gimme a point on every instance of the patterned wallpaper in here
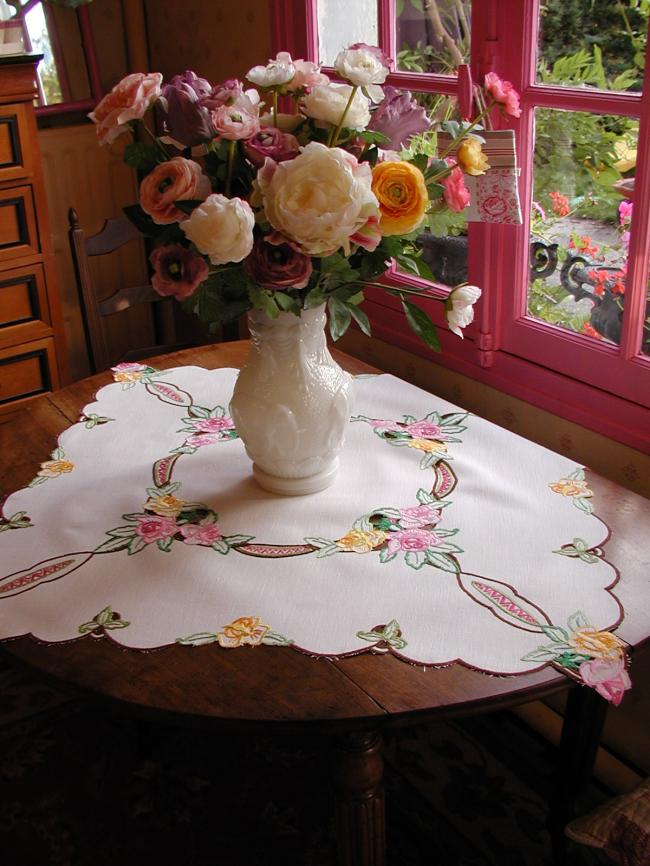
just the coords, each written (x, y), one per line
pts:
(218, 40)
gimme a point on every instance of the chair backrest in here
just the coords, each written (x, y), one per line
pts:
(113, 235)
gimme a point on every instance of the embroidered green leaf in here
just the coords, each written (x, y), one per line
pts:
(448, 547)
(199, 639)
(363, 523)
(454, 419)
(434, 417)
(115, 543)
(221, 546)
(415, 558)
(137, 544)
(556, 633)
(319, 542)
(409, 419)
(38, 480)
(571, 660)
(541, 654)
(442, 561)
(385, 556)
(234, 540)
(391, 630)
(428, 460)
(424, 497)
(328, 551)
(583, 504)
(58, 454)
(198, 412)
(578, 474)
(577, 620)
(445, 533)
(272, 638)
(165, 544)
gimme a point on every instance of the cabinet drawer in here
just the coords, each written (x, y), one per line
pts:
(26, 371)
(15, 150)
(24, 311)
(18, 232)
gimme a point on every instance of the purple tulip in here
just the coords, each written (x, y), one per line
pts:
(177, 271)
(186, 119)
(399, 117)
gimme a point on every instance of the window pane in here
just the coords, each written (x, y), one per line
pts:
(599, 44)
(342, 23)
(433, 36)
(580, 221)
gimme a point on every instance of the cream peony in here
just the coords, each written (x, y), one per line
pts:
(327, 102)
(459, 308)
(275, 73)
(319, 199)
(221, 228)
(363, 64)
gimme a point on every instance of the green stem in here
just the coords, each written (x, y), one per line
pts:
(275, 108)
(454, 144)
(231, 161)
(158, 144)
(333, 137)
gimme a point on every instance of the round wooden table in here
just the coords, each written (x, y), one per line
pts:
(350, 698)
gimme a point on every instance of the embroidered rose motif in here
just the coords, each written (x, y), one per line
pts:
(571, 487)
(424, 430)
(200, 533)
(214, 425)
(362, 541)
(412, 539)
(382, 424)
(127, 376)
(129, 367)
(601, 644)
(431, 447)
(155, 528)
(54, 468)
(166, 505)
(608, 677)
(418, 515)
(245, 630)
(199, 439)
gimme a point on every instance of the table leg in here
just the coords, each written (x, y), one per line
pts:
(360, 810)
(584, 718)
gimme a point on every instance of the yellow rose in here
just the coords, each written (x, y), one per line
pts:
(571, 487)
(245, 630)
(470, 157)
(428, 445)
(127, 376)
(362, 541)
(402, 196)
(53, 468)
(600, 644)
(166, 506)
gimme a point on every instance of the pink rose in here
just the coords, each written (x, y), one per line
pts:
(419, 515)
(238, 120)
(197, 440)
(178, 179)
(504, 93)
(214, 425)
(272, 142)
(412, 539)
(177, 271)
(128, 100)
(456, 193)
(155, 528)
(200, 533)
(424, 430)
(608, 677)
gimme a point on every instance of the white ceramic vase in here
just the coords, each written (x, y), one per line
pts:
(292, 403)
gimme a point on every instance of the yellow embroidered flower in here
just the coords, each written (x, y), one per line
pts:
(600, 644)
(362, 541)
(428, 445)
(54, 468)
(245, 630)
(571, 487)
(127, 376)
(166, 505)
(471, 158)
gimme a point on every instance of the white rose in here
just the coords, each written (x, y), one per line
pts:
(363, 65)
(459, 308)
(327, 102)
(319, 199)
(221, 228)
(275, 73)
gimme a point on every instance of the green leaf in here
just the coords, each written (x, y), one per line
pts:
(339, 317)
(360, 318)
(262, 300)
(421, 325)
(314, 297)
(287, 302)
(140, 156)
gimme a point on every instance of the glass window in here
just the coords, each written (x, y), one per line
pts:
(433, 36)
(342, 23)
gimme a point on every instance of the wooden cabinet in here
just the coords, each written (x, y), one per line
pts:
(32, 352)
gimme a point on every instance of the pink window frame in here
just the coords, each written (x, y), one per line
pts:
(598, 386)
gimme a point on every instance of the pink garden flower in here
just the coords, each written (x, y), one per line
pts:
(127, 101)
(418, 516)
(608, 677)
(272, 142)
(177, 271)
(214, 425)
(425, 430)
(201, 533)
(412, 539)
(456, 193)
(152, 527)
(504, 93)
(238, 120)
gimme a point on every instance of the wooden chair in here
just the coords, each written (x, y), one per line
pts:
(113, 235)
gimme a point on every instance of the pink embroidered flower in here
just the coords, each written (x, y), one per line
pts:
(504, 93)
(456, 193)
(129, 367)
(425, 430)
(155, 528)
(608, 677)
(214, 425)
(418, 516)
(381, 424)
(412, 539)
(200, 533)
(197, 440)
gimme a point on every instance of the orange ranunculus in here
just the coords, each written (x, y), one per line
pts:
(178, 179)
(471, 158)
(402, 196)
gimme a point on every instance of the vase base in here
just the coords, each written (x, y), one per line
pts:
(296, 486)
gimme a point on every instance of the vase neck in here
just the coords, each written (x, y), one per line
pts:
(288, 331)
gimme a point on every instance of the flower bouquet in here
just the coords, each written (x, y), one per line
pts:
(282, 213)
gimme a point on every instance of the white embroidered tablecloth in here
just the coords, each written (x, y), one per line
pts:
(444, 537)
